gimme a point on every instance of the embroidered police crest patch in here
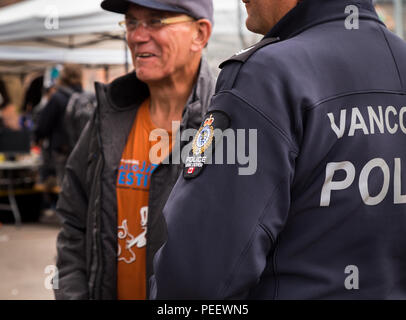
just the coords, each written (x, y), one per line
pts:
(204, 136)
(202, 149)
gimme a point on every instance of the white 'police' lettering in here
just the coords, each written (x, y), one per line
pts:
(379, 121)
(330, 185)
(363, 181)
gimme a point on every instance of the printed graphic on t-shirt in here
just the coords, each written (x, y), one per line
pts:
(127, 242)
(135, 174)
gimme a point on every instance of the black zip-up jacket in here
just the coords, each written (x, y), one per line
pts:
(87, 206)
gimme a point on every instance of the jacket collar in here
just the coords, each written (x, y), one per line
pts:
(126, 92)
(199, 99)
(309, 13)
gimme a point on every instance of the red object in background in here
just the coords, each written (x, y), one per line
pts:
(36, 150)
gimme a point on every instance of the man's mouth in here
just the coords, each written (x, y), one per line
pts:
(246, 1)
(144, 55)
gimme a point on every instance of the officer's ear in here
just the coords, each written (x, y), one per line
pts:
(202, 34)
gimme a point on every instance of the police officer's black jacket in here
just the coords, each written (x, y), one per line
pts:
(324, 214)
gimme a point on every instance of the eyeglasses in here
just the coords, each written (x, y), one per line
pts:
(153, 24)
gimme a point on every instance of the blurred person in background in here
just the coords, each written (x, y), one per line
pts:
(114, 191)
(8, 112)
(4, 101)
(47, 172)
(49, 86)
(32, 98)
(78, 113)
(47, 169)
(51, 119)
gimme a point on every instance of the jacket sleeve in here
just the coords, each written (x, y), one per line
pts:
(223, 223)
(72, 209)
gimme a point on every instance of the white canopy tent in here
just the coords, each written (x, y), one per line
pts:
(37, 34)
(34, 33)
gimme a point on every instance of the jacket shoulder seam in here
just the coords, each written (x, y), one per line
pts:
(266, 117)
(393, 57)
(351, 93)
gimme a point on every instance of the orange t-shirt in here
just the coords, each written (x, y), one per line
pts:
(133, 183)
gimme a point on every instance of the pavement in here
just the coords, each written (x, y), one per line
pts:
(27, 259)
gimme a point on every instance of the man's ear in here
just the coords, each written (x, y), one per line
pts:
(202, 35)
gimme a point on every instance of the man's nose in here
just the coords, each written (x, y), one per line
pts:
(139, 34)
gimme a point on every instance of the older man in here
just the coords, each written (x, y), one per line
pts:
(323, 216)
(116, 184)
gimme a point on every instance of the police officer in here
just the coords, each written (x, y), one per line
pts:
(323, 214)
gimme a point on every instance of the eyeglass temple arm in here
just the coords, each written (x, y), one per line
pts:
(177, 19)
(168, 20)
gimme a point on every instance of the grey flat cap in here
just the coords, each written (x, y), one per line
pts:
(198, 9)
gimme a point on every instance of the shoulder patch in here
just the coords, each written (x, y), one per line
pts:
(202, 145)
(245, 54)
